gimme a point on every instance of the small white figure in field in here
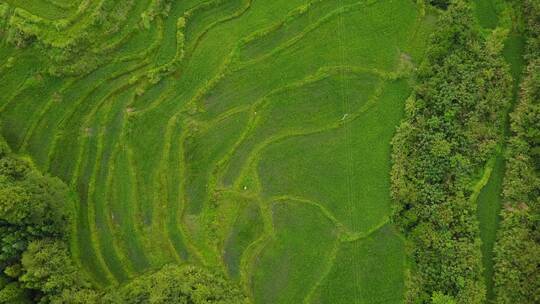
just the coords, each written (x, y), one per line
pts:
(345, 116)
(245, 187)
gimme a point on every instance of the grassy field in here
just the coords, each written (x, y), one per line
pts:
(250, 137)
(489, 206)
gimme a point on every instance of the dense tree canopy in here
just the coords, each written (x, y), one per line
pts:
(453, 125)
(178, 284)
(517, 261)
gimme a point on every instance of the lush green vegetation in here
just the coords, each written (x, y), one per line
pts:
(193, 132)
(239, 151)
(517, 250)
(454, 123)
(177, 284)
(489, 199)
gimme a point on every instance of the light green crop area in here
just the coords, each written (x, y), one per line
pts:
(251, 137)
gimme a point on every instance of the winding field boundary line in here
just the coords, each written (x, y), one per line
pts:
(255, 154)
(178, 220)
(220, 163)
(160, 195)
(73, 81)
(173, 203)
(253, 118)
(84, 141)
(248, 261)
(116, 234)
(350, 158)
(167, 132)
(61, 125)
(92, 112)
(40, 116)
(329, 266)
(121, 231)
(126, 27)
(252, 121)
(183, 109)
(312, 27)
(218, 76)
(134, 179)
(231, 58)
(62, 5)
(97, 254)
(149, 50)
(97, 243)
(87, 117)
(214, 230)
(67, 25)
(16, 5)
(130, 223)
(255, 248)
(262, 239)
(166, 151)
(187, 54)
(125, 31)
(224, 162)
(19, 89)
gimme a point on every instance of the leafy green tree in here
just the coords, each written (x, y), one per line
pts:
(441, 298)
(453, 124)
(517, 249)
(178, 284)
(32, 206)
(48, 267)
(13, 293)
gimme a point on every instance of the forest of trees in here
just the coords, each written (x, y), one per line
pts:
(453, 124)
(517, 251)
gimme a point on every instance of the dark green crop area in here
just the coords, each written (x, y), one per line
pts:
(251, 137)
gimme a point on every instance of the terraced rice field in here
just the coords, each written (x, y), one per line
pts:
(261, 150)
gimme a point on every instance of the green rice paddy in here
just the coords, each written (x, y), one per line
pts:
(262, 150)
